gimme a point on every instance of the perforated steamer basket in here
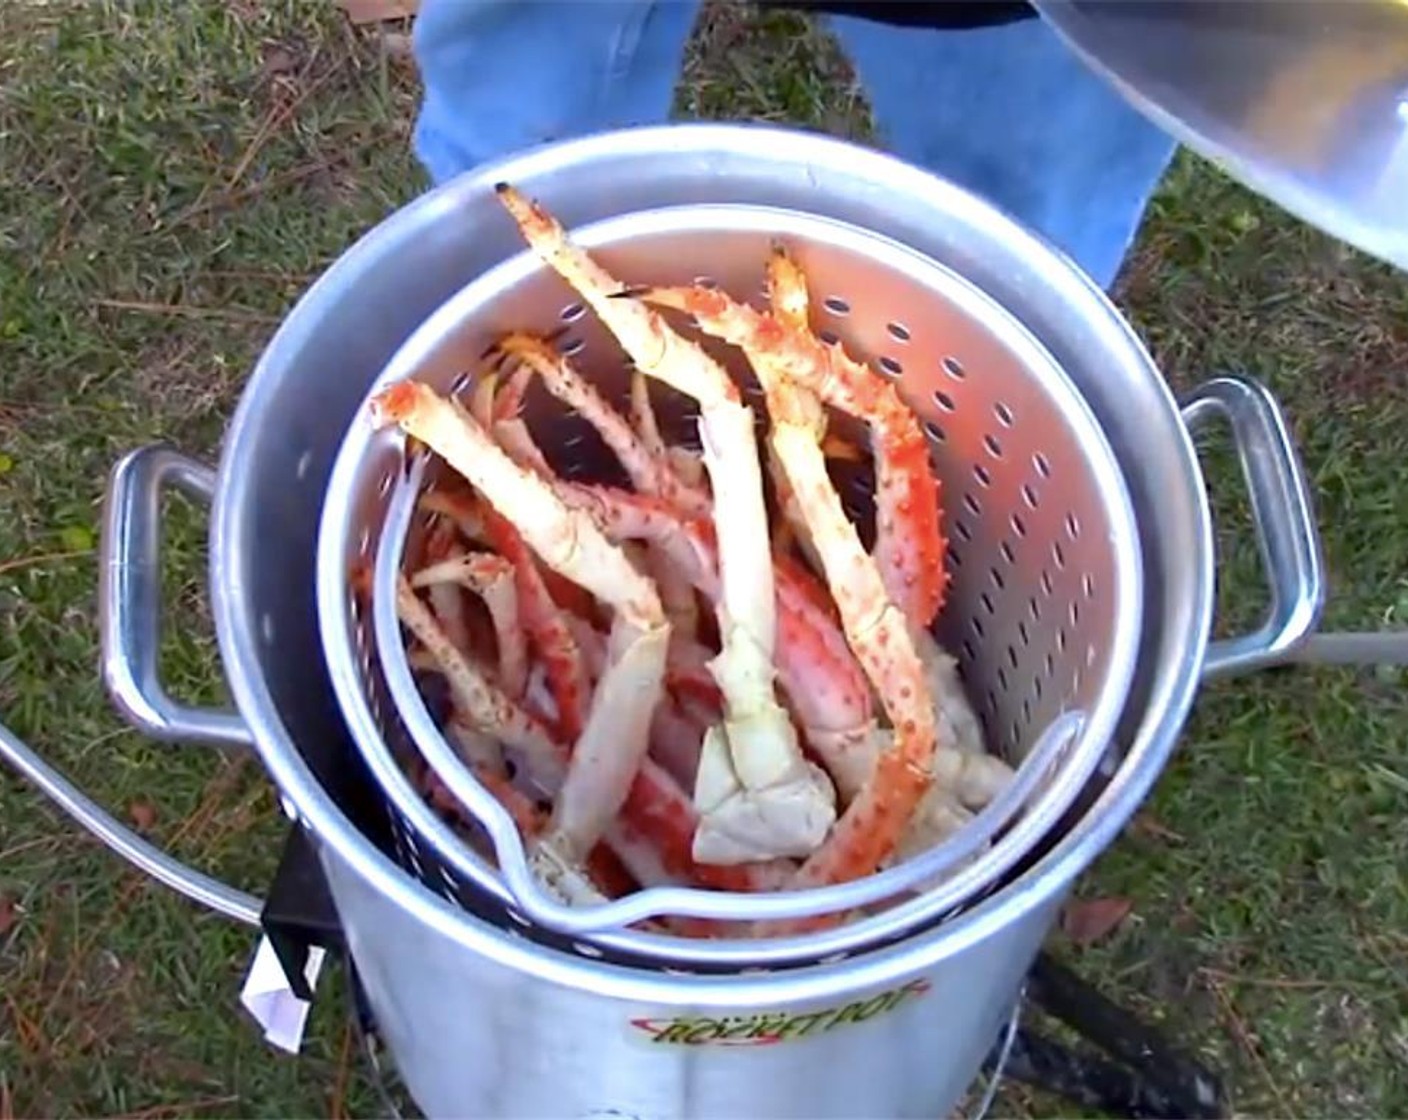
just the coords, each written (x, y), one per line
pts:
(1043, 613)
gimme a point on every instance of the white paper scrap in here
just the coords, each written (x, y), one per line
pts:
(267, 996)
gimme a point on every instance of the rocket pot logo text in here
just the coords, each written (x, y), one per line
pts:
(767, 1028)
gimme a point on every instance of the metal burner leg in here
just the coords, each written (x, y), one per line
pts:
(996, 1064)
(1382, 647)
(1138, 1075)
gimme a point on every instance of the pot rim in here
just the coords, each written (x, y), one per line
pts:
(1164, 710)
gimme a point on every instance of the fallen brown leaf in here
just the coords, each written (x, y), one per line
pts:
(143, 814)
(9, 914)
(1088, 920)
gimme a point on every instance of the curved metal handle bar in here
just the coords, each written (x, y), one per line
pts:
(83, 810)
(129, 599)
(129, 612)
(1285, 524)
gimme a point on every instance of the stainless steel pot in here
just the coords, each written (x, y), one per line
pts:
(479, 1020)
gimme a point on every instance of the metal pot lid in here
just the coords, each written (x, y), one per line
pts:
(1304, 102)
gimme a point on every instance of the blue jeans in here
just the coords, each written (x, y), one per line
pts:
(1006, 112)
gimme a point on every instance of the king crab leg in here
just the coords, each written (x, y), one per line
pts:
(544, 599)
(615, 739)
(909, 541)
(818, 673)
(758, 794)
(686, 462)
(870, 829)
(491, 578)
(967, 777)
(649, 472)
(907, 537)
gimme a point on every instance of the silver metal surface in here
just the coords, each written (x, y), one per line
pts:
(1389, 647)
(483, 1022)
(1284, 520)
(1043, 612)
(548, 1029)
(129, 599)
(1306, 102)
(120, 839)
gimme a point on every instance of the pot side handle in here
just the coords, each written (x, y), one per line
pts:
(1284, 520)
(129, 616)
(129, 599)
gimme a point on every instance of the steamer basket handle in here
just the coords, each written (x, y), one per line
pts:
(129, 599)
(1284, 518)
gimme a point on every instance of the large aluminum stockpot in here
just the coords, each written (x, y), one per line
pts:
(481, 1020)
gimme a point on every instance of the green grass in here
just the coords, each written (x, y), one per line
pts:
(172, 177)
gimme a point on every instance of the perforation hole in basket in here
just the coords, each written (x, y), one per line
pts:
(831, 338)
(836, 306)
(571, 346)
(898, 331)
(982, 474)
(994, 447)
(934, 432)
(998, 581)
(1004, 414)
(952, 557)
(961, 530)
(458, 386)
(572, 312)
(890, 367)
(944, 401)
(971, 503)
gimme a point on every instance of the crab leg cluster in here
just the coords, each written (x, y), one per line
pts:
(607, 649)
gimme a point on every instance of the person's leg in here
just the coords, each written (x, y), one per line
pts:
(500, 75)
(1011, 114)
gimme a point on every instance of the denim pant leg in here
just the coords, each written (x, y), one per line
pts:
(504, 75)
(1011, 114)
